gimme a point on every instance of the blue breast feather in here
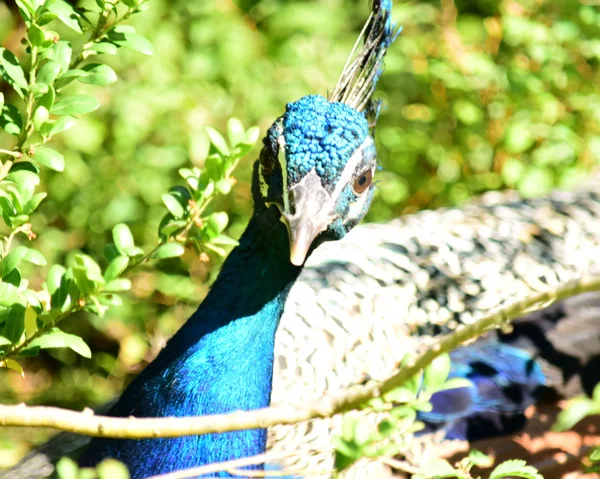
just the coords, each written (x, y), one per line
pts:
(219, 361)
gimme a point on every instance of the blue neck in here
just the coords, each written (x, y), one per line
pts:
(220, 361)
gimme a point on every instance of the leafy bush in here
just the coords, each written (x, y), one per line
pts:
(480, 95)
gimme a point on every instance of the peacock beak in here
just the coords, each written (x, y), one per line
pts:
(302, 236)
(312, 205)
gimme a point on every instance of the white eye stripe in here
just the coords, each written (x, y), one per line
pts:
(283, 163)
(350, 168)
(264, 188)
(355, 209)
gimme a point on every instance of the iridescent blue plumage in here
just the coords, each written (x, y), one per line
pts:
(505, 381)
(312, 183)
(320, 134)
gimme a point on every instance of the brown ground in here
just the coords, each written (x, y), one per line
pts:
(556, 455)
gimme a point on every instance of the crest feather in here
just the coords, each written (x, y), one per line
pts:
(363, 68)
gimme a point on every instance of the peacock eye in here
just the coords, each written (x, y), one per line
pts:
(362, 182)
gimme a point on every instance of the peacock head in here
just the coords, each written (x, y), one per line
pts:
(316, 167)
(318, 159)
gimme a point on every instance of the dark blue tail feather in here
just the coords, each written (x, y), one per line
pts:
(554, 351)
(504, 382)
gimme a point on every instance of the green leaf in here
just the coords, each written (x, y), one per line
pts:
(9, 294)
(116, 285)
(25, 181)
(346, 453)
(135, 251)
(168, 250)
(596, 395)
(123, 238)
(14, 365)
(34, 257)
(1, 100)
(576, 410)
(111, 468)
(46, 18)
(54, 279)
(84, 284)
(36, 35)
(173, 205)
(478, 458)
(10, 120)
(11, 70)
(34, 202)
(116, 267)
(235, 131)
(111, 252)
(55, 338)
(50, 158)
(170, 227)
(104, 47)
(47, 99)
(65, 13)
(15, 323)
(456, 383)
(224, 186)
(405, 413)
(217, 140)
(6, 204)
(224, 240)
(12, 260)
(515, 468)
(75, 105)
(14, 277)
(64, 123)
(61, 53)
(131, 3)
(69, 76)
(133, 41)
(252, 136)
(216, 223)
(399, 395)
(98, 74)
(66, 468)
(124, 29)
(518, 137)
(91, 268)
(15, 195)
(40, 117)
(39, 90)
(436, 373)
(26, 10)
(387, 427)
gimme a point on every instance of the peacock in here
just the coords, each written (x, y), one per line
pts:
(390, 288)
(312, 183)
(384, 289)
(360, 305)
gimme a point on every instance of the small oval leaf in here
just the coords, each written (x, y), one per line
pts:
(123, 238)
(49, 158)
(169, 250)
(75, 105)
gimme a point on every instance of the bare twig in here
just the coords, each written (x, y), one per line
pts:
(142, 428)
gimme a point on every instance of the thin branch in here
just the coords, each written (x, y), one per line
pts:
(15, 154)
(143, 428)
(234, 464)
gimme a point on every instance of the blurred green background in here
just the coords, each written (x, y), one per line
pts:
(479, 95)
